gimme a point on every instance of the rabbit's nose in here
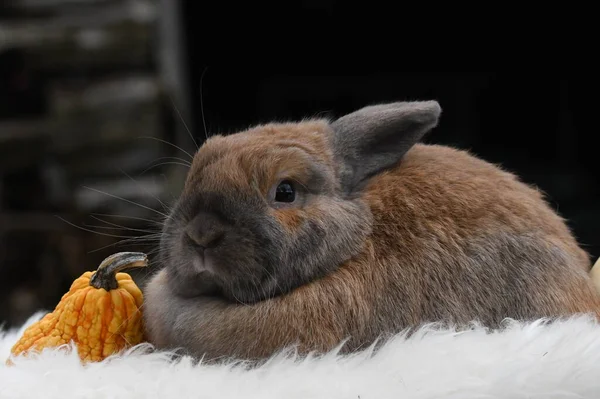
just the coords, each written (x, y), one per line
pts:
(205, 231)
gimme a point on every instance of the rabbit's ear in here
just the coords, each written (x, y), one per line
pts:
(376, 137)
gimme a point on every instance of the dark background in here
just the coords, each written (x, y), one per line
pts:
(539, 124)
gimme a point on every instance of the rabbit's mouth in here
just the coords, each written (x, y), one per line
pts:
(204, 262)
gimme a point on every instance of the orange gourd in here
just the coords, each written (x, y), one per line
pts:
(101, 313)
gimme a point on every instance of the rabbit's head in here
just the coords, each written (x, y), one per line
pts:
(271, 208)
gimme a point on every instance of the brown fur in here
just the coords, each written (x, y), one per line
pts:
(256, 156)
(451, 238)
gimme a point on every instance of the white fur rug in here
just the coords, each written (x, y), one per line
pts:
(532, 360)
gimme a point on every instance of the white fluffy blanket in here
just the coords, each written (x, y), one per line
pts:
(533, 360)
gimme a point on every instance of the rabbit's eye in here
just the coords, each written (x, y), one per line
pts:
(285, 192)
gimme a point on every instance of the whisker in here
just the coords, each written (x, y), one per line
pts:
(126, 200)
(153, 196)
(153, 251)
(202, 105)
(166, 142)
(173, 198)
(183, 121)
(115, 224)
(176, 159)
(91, 231)
(120, 228)
(130, 240)
(165, 163)
(93, 226)
(114, 244)
(128, 217)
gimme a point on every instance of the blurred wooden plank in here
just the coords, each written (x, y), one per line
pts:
(89, 15)
(119, 34)
(108, 126)
(172, 66)
(96, 64)
(122, 45)
(67, 97)
(50, 4)
(86, 127)
(136, 158)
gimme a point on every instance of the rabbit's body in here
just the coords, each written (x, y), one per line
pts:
(472, 242)
(437, 235)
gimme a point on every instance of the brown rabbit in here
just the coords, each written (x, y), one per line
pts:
(315, 232)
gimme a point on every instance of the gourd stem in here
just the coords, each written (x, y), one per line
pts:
(105, 276)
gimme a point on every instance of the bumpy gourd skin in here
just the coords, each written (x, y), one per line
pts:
(100, 322)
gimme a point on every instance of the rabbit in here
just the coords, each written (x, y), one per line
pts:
(333, 233)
